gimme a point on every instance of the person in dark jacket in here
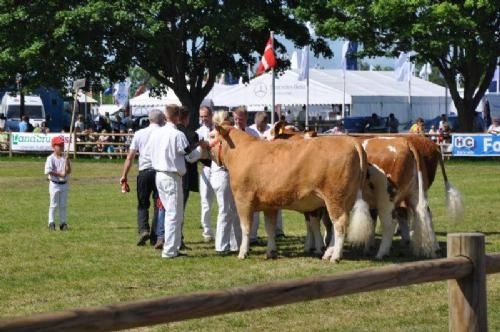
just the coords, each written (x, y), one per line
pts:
(190, 180)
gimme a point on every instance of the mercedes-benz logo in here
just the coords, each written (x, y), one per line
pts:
(260, 90)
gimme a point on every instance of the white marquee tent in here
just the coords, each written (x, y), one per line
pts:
(366, 92)
(289, 91)
(144, 103)
(378, 92)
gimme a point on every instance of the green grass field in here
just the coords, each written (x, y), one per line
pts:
(97, 262)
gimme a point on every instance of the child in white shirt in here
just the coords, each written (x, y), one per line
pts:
(57, 168)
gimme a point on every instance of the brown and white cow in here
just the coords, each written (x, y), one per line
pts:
(395, 177)
(288, 179)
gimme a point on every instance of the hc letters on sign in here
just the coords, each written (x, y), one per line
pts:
(476, 145)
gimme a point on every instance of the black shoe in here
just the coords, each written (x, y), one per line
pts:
(63, 227)
(159, 244)
(280, 236)
(52, 226)
(184, 247)
(143, 238)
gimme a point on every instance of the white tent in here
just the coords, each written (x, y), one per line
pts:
(144, 103)
(366, 92)
(83, 98)
(289, 91)
(108, 108)
(378, 92)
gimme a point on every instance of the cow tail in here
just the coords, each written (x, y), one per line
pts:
(360, 225)
(423, 241)
(454, 200)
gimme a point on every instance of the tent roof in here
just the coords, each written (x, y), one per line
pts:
(375, 83)
(289, 91)
(108, 108)
(82, 98)
(146, 100)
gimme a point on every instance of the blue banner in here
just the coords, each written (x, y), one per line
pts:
(476, 145)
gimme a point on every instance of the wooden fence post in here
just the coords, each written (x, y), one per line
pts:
(467, 296)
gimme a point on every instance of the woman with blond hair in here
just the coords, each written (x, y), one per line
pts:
(228, 233)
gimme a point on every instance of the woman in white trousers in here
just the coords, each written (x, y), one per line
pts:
(228, 234)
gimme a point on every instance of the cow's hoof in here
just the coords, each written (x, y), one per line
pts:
(273, 254)
(379, 257)
(328, 254)
(242, 256)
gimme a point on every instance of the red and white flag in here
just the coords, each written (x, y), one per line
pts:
(268, 59)
(140, 90)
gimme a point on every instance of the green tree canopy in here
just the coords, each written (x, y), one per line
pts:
(457, 37)
(38, 42)
(183, 45)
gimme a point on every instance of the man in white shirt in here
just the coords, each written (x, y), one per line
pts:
(263, 129)
(206, 190)
(289, 117)
(261, 126)
(169, 149)
(146, 176)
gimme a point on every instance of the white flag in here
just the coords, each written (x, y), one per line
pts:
(304, 64)
(222, 79)
(121, 93)
(402, 67)
(294, 62)
(343, 62)
(425, 71)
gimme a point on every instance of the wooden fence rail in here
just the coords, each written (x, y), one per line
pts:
(465, 271)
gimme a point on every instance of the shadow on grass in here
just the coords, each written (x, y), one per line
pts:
(293, 247)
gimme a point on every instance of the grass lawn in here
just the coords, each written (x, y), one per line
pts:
(97, 262)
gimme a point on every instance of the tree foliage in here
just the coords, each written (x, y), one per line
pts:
(183, 45)
(38, 41)
(458, 37)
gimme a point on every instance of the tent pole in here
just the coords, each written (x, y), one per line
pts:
(409, 89)
(273, 84)
(343, 100)
(307, 92)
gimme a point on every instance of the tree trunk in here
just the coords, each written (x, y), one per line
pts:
(464, 105)
(465, 115)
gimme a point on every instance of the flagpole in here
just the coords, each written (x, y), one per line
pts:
(409, 88)
(343, 99)
(307, 92)
(272, 84)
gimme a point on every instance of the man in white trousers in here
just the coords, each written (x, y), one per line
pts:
(206, 190)
(228, 235)
(169, 150)
(260, 129)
